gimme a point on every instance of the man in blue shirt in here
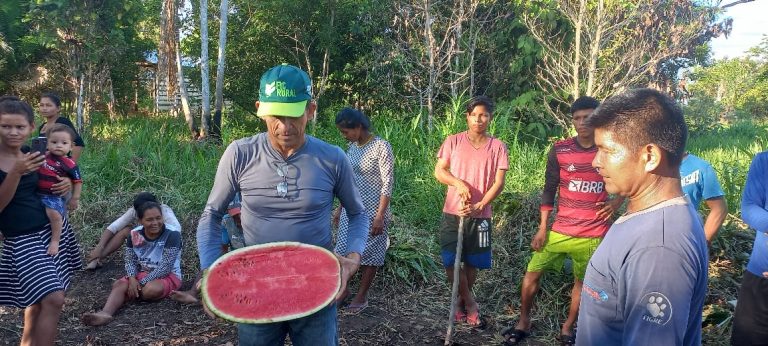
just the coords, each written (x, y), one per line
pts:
(287, 182)
(750, 322)
(646, 283)
(700, 183)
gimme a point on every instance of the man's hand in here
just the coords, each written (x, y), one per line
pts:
(378, 225)
(63, 186)
(198, 285)
(28, 163)
(134, 289)
(539, 239)
(349, 266)
(608, 208)
(463, 190)
(470, 209)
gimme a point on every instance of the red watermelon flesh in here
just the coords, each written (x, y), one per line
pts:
(271, 282)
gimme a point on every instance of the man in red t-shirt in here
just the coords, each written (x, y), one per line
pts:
(580, 223)
(473, 164)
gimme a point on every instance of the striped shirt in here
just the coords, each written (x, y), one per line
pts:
(579, 187)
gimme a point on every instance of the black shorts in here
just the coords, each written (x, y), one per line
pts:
(750, 321)
(476, 247)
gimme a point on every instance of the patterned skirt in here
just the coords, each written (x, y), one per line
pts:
(28, 273)
(375, 247)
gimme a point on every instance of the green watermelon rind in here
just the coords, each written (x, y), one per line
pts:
(217, 312)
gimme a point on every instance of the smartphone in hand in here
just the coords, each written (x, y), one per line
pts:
(39, 144)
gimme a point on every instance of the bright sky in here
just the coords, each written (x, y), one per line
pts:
(750, 23)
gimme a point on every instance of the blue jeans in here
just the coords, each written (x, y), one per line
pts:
(316, 329)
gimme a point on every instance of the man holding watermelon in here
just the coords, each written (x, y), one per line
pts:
(288, 181)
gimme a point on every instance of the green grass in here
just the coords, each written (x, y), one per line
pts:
(154, 154)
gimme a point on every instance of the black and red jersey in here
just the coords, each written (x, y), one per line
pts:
(579, 187)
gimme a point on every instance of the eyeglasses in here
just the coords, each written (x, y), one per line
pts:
(282, 187)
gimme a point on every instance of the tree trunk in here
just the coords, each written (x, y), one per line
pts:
(216, 128)
(431, 58)
(111, 104)
(205, 89)
(80, 96)
(577, 49)
(185, 96)
(594, 53)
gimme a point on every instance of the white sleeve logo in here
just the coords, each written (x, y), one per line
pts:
(658, 308)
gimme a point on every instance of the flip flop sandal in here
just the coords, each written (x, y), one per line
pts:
(566, 340)
(513, 336)
(353, 308)
(476, 320)
(460, 316)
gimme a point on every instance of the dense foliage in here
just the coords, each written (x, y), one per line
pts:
(400, 58)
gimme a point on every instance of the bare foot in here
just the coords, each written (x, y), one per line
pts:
(93, 265)
(342, 297)
(184, 297)
(523, 324)
(96, 319)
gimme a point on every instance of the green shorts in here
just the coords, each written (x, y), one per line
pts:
(558, 246)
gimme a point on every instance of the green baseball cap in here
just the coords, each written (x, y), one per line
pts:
(284, 91)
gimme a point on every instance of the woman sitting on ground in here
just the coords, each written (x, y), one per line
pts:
(114, 236)
(152, 262)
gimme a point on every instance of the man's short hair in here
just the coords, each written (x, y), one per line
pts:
(480, 100)
(584, 102)
(642, 116)
(61, 128)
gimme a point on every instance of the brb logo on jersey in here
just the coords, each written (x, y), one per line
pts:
(586, 186)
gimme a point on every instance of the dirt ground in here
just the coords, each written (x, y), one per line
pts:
(388, 321)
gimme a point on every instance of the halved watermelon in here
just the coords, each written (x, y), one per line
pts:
(271, 282)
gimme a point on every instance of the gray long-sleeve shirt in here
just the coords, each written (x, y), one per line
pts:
(314, 175)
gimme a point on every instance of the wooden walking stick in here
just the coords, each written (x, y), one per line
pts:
(456, 279)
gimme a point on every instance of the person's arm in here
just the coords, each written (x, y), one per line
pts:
(713, 195)
(126, 220)
(74, 202)
(348, 194)
(492, 193)
(718, 210)
(444, 176)
(656, 290)
(171, 252)
(551, 182)
(386, 162)
(132, 267)
(26, 164)
(443, 171)
(224, 188)
(170, 218)
(753, 198)
(76, 151)
(79, 144)
(132, 264)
